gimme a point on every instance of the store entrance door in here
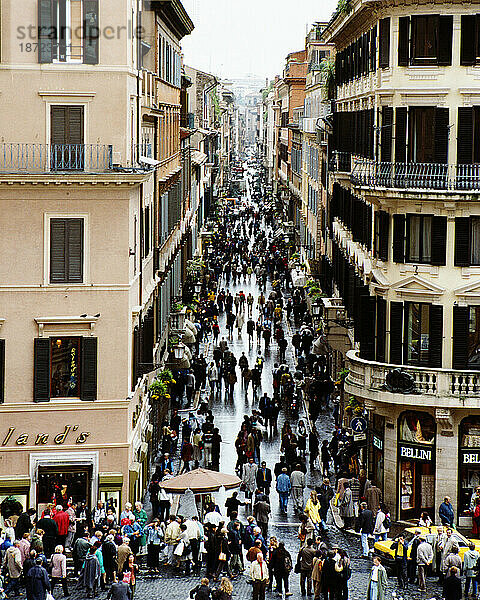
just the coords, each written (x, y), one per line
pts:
(62, 485)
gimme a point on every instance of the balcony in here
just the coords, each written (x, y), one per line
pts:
(442, 388)
(419, 176)
(34, 159)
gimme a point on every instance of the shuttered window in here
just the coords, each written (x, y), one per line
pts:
(66, 125)
(401, 134)
(462, 241)
(66, 250)
(439, 241)
(470, 42)
(396, 333)
(436, 336)
(441, 135)
(468, 137)
(423, 336)
(381, 329)
(41, 371)
(367, 327)
(425, 40)
(2, 371)
(382, 227)
(419, 238)
(386, 134)
(461, 316)
(399, 238)
(384, 43)
(88, 370)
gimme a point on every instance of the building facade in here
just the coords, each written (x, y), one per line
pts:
(403, 243)
(93, 172)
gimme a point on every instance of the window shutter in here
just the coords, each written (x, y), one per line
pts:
(58, 128)
(386, 133)
(136, 357)
(465, 136)
(384, 43)
(41, 370)
(403, 41)
(384, 223)
(74, 255)
(445, 38)
(468, 43)
(399, 238)
(90, 32)
(441, 135)
(462, 241)
(381, 329)
(401, 135)
(367, 327)
(396, 332)
(373, 48)
(461, 317)
(2, 371)
(58, 270)
(74, 125)
(439, 241)
(436, 335)
(88, 387)
(46, 33)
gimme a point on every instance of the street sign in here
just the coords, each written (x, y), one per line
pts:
(358, 425)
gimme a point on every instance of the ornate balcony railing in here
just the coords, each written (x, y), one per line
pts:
(48, 158)
(428, 176)
(436, 384)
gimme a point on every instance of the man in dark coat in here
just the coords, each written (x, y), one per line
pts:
(51, 533)
(38, 582)
(261, 511)
(119, 591)
(24, 523)
(365, 526)
(264, 478)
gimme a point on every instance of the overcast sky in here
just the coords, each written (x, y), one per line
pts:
(235, 38)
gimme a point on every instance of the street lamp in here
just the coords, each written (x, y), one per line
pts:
(198, 288)
(316, 309)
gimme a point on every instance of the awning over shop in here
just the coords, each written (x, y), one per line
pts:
(143, 451)
(134, 470)
(110, 479)
(199, 158)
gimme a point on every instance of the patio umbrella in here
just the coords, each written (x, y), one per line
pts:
(200, 481)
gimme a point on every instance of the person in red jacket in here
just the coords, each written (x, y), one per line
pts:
(186, 455)
(62, 520)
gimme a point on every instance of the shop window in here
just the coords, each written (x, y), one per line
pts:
(62, 486)
(64, 367)
(417, 428)
(469, 463)
(474, 338)
(418, 333)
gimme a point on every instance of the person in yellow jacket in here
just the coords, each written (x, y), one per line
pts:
(312, 510)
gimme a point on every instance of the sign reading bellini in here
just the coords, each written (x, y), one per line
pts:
(422, 454)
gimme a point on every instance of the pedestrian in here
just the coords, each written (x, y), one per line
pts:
(202, 591)
(425, 559)
(400, 548)
(452, 560)
(223, 555)
(283, 488)
(313, 447)
(347, 509)
(90, 573)
(50, 535)
(119, 591)
(224, 591)
(344, 572)
(305, 561)
(264, 478)
(412, 557)
(446, 512)
(235, 545)
(329, 576)
(261, 512)
(297, 479)
(62, 520)
(249, 477)
(325, 495)
(259, 575)
(58, 564)
(313, 511)
(109, 552)
(381, 521)
(452, 586)
(282, 566)
(154, 541)
(130, 573)
(38, 582)
(12, 566)
(213, 377)
(326, 458)
(365, 525)
(377, 581)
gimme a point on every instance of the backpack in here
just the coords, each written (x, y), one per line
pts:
(387, 523)
(287, 561)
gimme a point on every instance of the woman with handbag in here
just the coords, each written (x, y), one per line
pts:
(130, 572)
(223, 556)
(344, 572)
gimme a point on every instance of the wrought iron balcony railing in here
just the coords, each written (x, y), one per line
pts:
(56, 158)
(429, 176)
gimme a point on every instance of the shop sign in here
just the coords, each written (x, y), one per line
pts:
(415, 453)
(70, 433)
(377, 443)
(471, 458)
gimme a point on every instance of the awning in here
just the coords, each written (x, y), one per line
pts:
(149, 432)
(110, 479)
(149, 161)
(199, 158)
(143, 451)
(134, 470)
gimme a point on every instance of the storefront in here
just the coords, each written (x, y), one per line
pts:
(376, 451)
(416, 464)
(469, 468)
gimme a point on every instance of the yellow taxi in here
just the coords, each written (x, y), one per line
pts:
(385, 551)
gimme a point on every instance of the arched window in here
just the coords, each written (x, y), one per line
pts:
(417, 428)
